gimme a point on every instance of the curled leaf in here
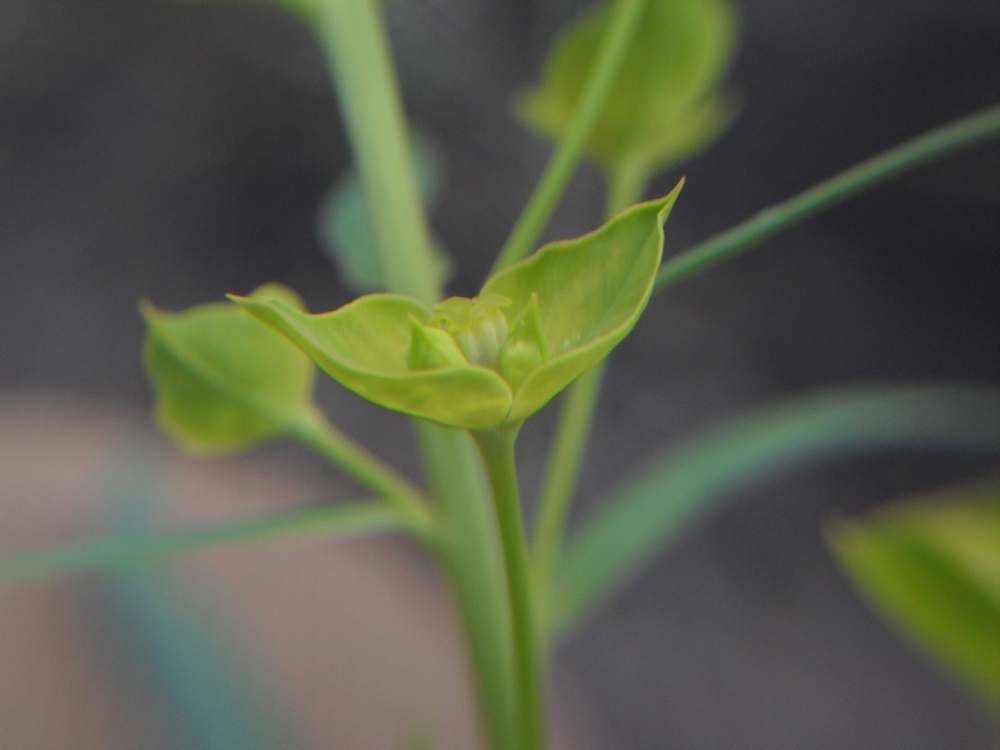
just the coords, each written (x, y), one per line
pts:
(499, 357)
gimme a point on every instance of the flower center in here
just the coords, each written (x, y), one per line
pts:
(478, 326)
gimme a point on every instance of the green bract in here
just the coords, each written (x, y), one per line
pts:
(223, 381)
(664, 104)
(497, 358)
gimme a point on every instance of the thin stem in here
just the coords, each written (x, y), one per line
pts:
(614, 46)
(924, 148)
(576, 416)
(151, 549)
(355, 41)
(497, 448)
(320, 435)
(469, 552)
(563, 473)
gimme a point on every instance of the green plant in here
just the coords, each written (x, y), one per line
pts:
(470, 371)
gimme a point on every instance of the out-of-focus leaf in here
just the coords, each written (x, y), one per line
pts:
(654, 508)
(345, 227)
(664, 104)
(224, 381)
(932, 566)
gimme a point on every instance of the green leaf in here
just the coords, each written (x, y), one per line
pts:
(663, 106)
(223, 381)
(590, 293)
(932, 566)
(546, 320)
(655, 507)
(345, 226)
(365, 345)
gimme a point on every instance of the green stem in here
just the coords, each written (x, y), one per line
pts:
(576, 416)
(320, 435)
(355, 41)
(562, 475)
(614, 47)
(931, 145)
(151, 549)
(469, 552)
(497, 449)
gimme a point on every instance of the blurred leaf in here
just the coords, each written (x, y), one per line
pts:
(654, 508)
(223, 380)
(932, 566)
(345, 227)
(664, 104)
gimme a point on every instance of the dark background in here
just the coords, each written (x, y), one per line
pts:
(177, 152)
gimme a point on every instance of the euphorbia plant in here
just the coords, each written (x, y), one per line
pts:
(635, 86)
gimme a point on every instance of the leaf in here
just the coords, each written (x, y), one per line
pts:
(223, 381)
(932, 566)
(345, 228)
(546, 319)
(590, 294)
(663, 105)
(655, 507)
(364, 346)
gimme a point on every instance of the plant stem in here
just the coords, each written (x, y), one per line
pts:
(323, 437)
(931, 145)
(149, 549)
(614, 46)
(355, 42)
(469, 552)
(497, 448)
(562, 473)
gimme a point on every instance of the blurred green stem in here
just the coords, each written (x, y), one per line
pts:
(128, 552)
(354, 37)
(323, 437)
(625, 18)
(562, 472)
(924, 148)
(355, 41)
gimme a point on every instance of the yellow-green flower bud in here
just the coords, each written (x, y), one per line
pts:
(431, 348)
(525, 348)
(478, 326)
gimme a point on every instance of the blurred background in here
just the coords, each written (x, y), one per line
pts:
(178, 151)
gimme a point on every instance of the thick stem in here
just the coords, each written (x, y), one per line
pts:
(497, 448)
(469, 552)
(355, 42)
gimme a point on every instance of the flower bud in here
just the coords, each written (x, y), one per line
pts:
(431, 348)
(478, 326)
(526, 347)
